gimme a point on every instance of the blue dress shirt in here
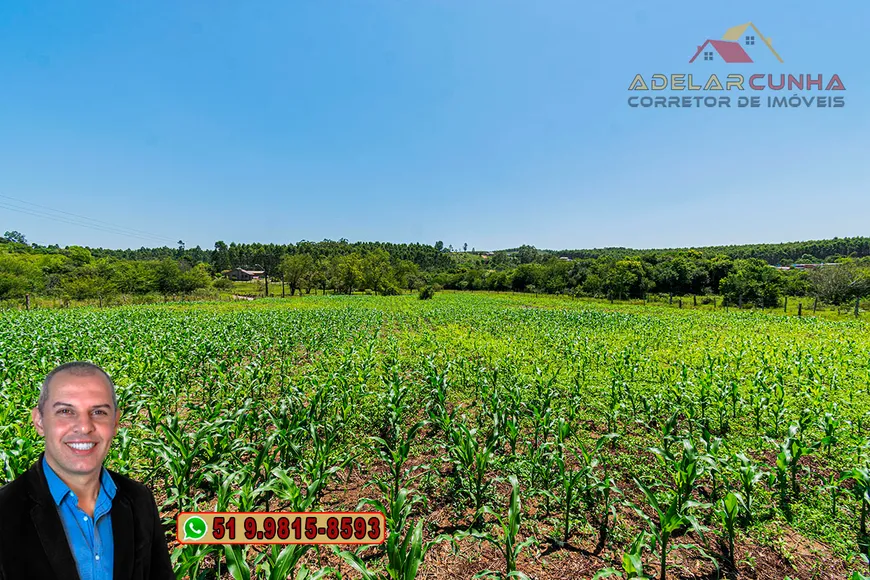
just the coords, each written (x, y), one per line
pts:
(92, 545)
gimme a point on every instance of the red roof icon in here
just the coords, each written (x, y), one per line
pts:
(729, 51)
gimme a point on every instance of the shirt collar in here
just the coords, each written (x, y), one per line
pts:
(59, 489)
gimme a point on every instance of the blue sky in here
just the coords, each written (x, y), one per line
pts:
(489, 122)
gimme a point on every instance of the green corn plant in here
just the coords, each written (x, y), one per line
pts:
(632, 562)
(262, 460)
(279, 563)
(597, 492)
(684, 469)
(325, 457)
(713, 460)
(394, 455)
(393, 447)
(508, 542)
(779, 478)
(791, 450)
(749, 475)
(512, 432)
(178, 449)
(669, 518)
(541, 465)
(831, 484)
(187, 561)
(569, 481)
(604, 490)
(472, 458)
(777, 408)
(439, 415)
(405, 548)
(830, 425)
(543, 423)
(860, 476)
(727, 510)
(17, 455)
(668, 432)
(612, 414)
(242, 500)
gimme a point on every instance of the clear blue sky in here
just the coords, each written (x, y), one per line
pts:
(488, 122)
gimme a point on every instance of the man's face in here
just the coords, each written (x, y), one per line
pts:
(78, 423)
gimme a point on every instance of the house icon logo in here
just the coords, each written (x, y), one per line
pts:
(738, 45)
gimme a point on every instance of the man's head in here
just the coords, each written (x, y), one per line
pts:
(78, 415)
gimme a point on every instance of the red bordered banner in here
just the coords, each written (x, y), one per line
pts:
(280, 528)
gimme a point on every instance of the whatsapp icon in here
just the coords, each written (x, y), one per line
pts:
(194, 528)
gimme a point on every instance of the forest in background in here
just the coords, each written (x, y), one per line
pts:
(742, 274)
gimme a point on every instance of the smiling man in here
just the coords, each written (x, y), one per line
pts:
(68, 517)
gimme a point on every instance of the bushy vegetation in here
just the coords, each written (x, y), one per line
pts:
(390, 269)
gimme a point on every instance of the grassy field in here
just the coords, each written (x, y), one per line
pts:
(561, 437)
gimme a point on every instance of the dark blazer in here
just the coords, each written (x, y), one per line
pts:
(33, 543)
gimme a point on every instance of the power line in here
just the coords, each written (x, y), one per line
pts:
(76, 223)
(87, 218)
(108, 227)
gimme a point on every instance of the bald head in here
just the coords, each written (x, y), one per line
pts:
(78, 369)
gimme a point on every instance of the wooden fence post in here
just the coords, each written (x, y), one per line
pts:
(785, 308)
(857, 303)
(815, 303)
(27, 301)
(681, 301)
(800, 307)
(694, 301)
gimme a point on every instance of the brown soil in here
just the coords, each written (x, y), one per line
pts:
(792, 555)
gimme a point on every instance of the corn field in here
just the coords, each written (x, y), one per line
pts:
(501, 435)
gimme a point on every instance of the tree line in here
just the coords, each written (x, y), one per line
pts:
(741, 281)
(740, 277)
(808, 252)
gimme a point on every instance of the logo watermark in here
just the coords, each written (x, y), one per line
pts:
(195, 528)
(740, 45)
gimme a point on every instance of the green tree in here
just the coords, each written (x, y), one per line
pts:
(135, 277)
(79, 255)
(377, 272)
(194, 278)
(841, 283)
(167, 276)
(15, 236)
(527, 254)
(296, 270)
(753, 281)
(407, 275)
(91, 280)
(348, 273)
(527, 275)
(221, 257)
(20, 274)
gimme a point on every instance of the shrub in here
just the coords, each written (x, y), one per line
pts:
(223, 284)
(427, 292)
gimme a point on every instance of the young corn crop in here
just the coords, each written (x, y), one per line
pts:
(632, 434)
